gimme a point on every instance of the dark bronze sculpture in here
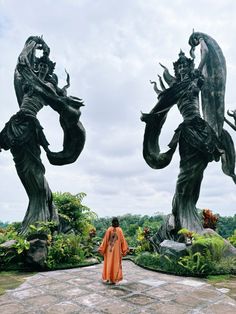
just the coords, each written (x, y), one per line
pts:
(200, 140)
(36, 86)
(231, 114)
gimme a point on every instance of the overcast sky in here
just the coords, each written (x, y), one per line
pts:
(112, 49)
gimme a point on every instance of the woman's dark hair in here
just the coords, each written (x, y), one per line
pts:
(115, 222)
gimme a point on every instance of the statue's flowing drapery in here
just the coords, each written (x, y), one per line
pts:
(200, 140)
(24, 135)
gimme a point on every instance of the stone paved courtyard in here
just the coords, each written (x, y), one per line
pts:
(81, 291)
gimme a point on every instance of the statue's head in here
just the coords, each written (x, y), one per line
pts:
(44, 65)
(183, 66)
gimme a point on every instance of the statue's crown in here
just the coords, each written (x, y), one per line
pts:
(183, 60)
(45, 59)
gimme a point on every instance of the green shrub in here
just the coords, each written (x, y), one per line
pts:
(143, 242)
(232, 238)
(65, 249)
(205, 256)
(195, 263)
(225, 265)
(147, 259)
(14, 255)
(212, 246)
(77, 215)
(7, 234)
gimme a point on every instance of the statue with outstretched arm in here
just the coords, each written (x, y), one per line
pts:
(36, 86)
(200, 139)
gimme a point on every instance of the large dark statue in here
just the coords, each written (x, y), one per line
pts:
(200, 139)
(36, 86)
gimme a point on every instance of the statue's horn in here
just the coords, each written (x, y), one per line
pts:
(163, 66)
(230, 113)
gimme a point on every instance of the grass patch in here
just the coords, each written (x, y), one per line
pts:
(12, 280)
(218, 278)
(2, 291)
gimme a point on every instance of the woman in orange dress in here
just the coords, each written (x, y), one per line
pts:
(113, 247)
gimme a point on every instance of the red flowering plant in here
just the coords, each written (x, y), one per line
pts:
(146, 232)
(92, 233)
(143, 235)
(209, 219)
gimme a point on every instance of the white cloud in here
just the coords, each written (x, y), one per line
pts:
(111, 50)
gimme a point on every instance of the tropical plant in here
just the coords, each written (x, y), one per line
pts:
(148, 259)
(212, 243)
(232, 238)
(13, 253)
(65, 249)
(225, 265)
(142, 239)
(77, 215)
(41, 229)
(194, 263)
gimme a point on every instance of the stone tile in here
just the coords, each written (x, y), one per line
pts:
(86, 310)
(52, 274)
(91, 299)
(80, 290)
(26, 293)
(4, 299)
(139, 299)
(97, 286)
(72, 293)
(12, 308)
(230, 285)
(169, 278)
(90, 273)
(41, 281)
(223, 290)
(34, 278)
(115, 307)
(42, 301)
(191, 283)
(73, 270)
(190, 300)
(176, 288)
(56, 286)
(98, 266)
(23, 286)
(64, 277)
(153, 283)
(169, 308)
(161, 294)
(227, 284)
(63, 308)
(228, 300)
(220, 308)
(136, 286)
(207, 294)
(142, 310)
(124, 281)
(80, 281)
(116, 291)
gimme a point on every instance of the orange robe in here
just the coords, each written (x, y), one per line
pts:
(113, 247)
